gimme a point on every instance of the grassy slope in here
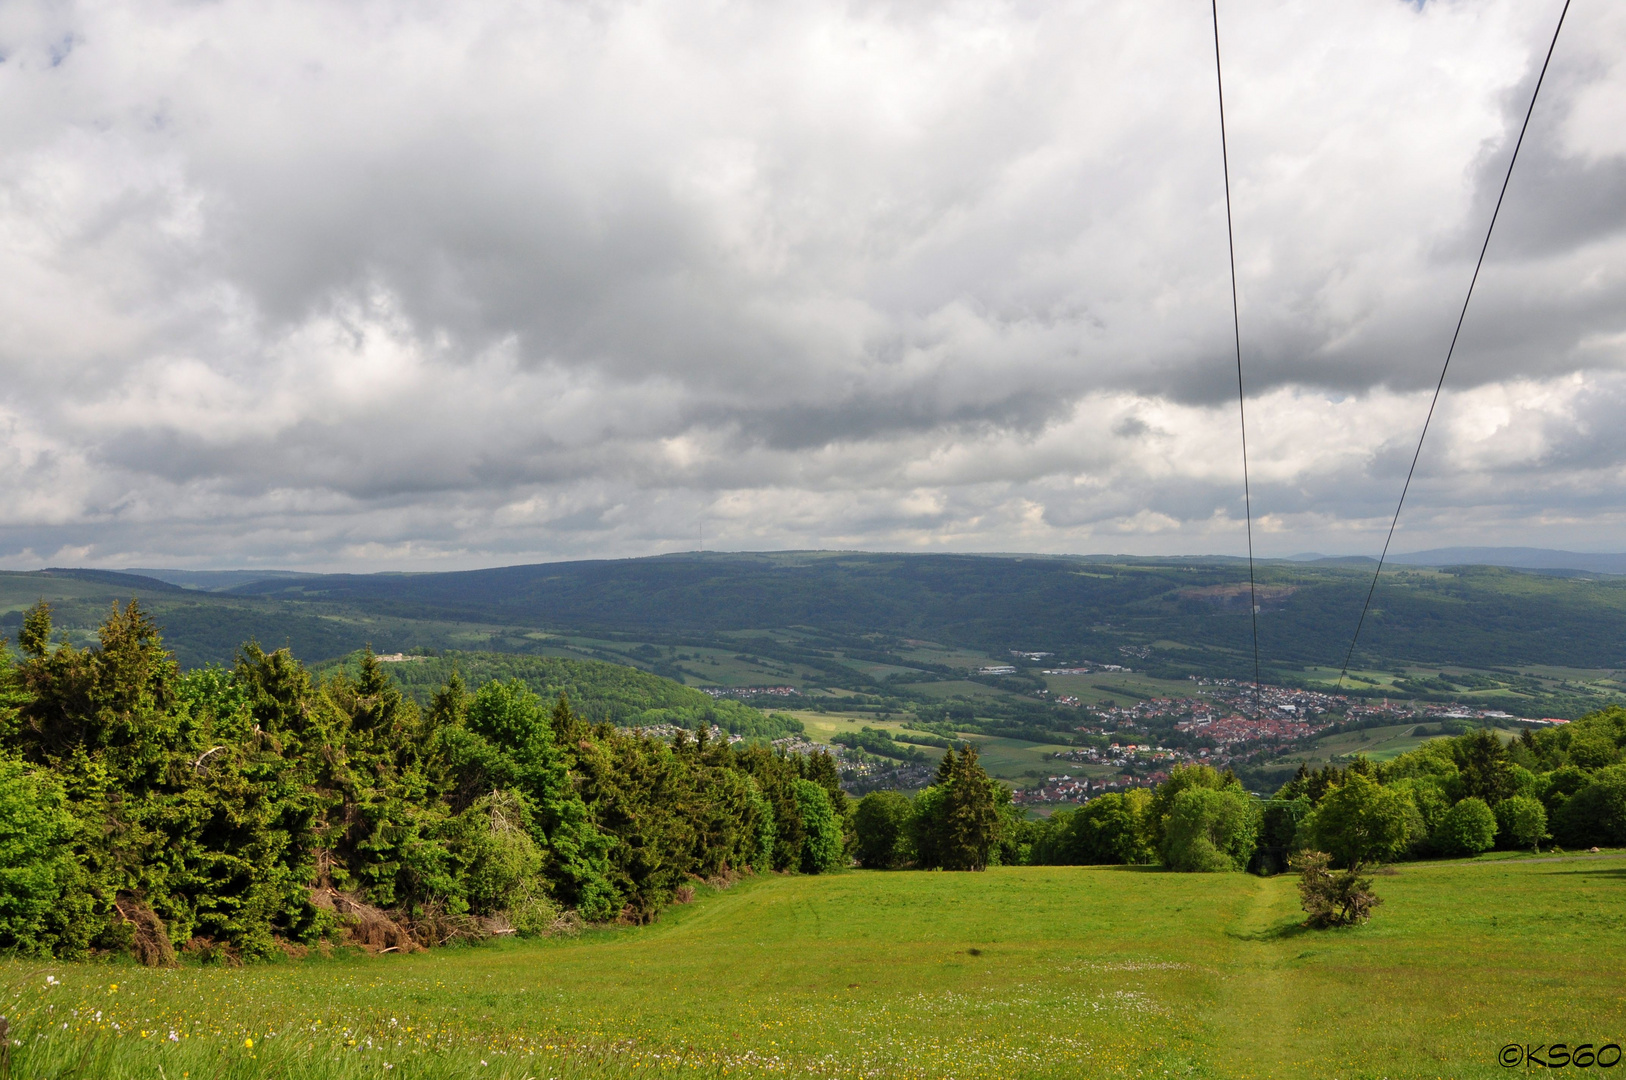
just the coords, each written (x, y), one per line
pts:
(1081, 972)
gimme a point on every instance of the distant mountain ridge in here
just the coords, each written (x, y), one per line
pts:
(1182, 615)
(1519, 558)
(213, 580)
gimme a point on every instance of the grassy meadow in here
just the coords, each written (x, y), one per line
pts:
(1017, 972)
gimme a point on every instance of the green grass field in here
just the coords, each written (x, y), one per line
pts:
(1021, 972)
(1017, 759)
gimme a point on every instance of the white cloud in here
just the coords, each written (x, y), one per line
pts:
(430, 285)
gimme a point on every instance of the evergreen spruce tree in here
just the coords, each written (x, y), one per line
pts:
(971, 814)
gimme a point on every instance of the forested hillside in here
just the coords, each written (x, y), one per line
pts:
(598, 691)
(1470, 615)
(871, 623)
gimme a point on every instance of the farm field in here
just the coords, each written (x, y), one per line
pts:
(1018, 972)
(1378, 744)
(1014, 760)
(1098, 687)
(1017, 759)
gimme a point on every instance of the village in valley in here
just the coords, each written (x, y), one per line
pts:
(1227, 723)
(1120, 742)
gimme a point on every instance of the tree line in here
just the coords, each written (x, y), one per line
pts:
(1450, 797)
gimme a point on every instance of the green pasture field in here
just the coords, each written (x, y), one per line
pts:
(704, 665)
(931, 652)
(1379, 744)
(1594, 682)
(949, 688)
(822, 727)
(1016, 972)
(1018, 760)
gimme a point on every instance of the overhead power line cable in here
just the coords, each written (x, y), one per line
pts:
(1534, 94)
(1236, 330)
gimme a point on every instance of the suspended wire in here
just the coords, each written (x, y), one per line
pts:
(1236, 330)
(1450, 351)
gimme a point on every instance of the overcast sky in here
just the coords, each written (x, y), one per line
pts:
(415, 286)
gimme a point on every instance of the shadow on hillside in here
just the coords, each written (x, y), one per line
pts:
(1618, 872)
(1285, 931)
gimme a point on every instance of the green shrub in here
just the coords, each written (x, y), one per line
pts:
(1329, 897)
(1208, 830)
(494, 852)
(1596, 814)
(1467, 828)
(532, 912)
(1110, 828)
(1521, 822)
(1361, 822)
(36, 865)
(822, 843)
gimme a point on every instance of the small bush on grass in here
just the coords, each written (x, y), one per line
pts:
(1333, 897)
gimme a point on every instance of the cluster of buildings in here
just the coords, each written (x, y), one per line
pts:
(750, 691)
(1122, 755)
(1082, 669)
(1400, 713)
(1227, 731)
(1071, 789)
(1280, 701)
(668, 732)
